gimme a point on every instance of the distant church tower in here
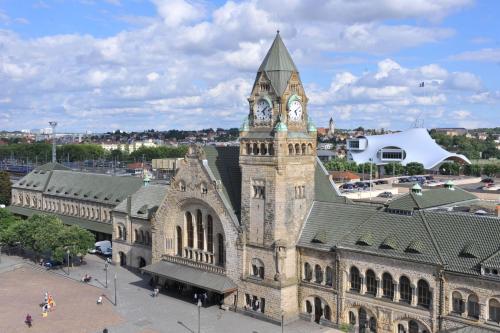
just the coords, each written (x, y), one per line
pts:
(277, 160)
(331, 127)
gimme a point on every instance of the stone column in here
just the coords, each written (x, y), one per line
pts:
(396, 291)
(363, 285)
(413, 295)
(379, 288)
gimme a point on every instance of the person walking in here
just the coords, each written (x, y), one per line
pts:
(28, 320)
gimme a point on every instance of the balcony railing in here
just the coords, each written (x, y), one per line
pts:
(196, 264)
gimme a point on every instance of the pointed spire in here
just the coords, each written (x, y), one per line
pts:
(278, 58)
(278, 65)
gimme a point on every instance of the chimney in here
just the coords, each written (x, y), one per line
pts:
(129, 205)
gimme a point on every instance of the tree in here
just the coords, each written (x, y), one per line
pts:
(394, 168)
(46, 235)
(491, 169)
(449, 168)
(414, 168)
(472, 170)
(5, 188)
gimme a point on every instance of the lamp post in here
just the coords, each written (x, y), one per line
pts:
(116, 300)
(106, 270)
(67, 258)
(199, 315)
(370, 178)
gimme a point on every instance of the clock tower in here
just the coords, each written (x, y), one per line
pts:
(277, 161)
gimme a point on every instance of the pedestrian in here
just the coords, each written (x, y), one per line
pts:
(205, 297)
(195, 297)
(28, 320)
(99, 300)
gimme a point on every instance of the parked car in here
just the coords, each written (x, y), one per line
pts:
(429, 178)
(385, 195)
(361, 185)
(51, 263)
(403, 180)
(487, 181)
(347, 187)
(107, 252)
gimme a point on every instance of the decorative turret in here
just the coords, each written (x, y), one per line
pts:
(449, 185)
(310, 126)
(416, 189)
(146, 178)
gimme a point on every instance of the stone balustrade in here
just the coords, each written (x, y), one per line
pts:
(196, 264)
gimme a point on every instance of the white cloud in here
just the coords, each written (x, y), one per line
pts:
(486, 55)
(177, 12)
(461, 114)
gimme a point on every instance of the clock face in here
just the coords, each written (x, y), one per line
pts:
(295, 111)
(262, 111)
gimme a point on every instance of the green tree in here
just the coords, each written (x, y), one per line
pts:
(338, 164)
(449, 168)
(5, 188)
(414, 168)
(7, 219)
(491, 169)
(472, 170)
(148, 153)
(394, 168)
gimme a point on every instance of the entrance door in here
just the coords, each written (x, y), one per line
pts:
(362, 320)
(142, 262)
(318, 311)
(123, 259)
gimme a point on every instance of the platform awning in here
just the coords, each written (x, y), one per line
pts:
(192, 276)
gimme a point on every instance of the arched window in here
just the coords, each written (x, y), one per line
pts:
(329, 276)
(263, 149)
(457, 302)
(220, 243)
(371, 283)
(210, 234)
(143, 238)
(303, 149)
(307, 272)
(373, 324)
(271, 149)
(255, 149)
(387, 286)
(190, 232)
(290, 151)
(318, 274)
(136, 236)
(424, 294)
(355, 279)
(309, 308)
(413, 326)
(309, 148)
(179, 241)
(327, 312)
(120, 233)
(257, 268)
(352, 318)
(473, 307)
(405, 289)
(494, 310)
(182, 186)
(297, 149)
(199, 229)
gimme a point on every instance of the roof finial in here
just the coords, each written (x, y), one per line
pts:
(278, 31)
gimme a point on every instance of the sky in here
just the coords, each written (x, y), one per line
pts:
(103, 65)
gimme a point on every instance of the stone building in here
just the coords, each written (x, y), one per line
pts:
(84, 199)
(262, 229)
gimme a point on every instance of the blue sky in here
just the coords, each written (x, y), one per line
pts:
(100, 65)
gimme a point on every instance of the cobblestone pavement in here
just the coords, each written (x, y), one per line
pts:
(136, 311)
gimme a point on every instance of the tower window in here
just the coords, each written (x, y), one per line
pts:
(259, 192)
(300, 192)
(264, 87)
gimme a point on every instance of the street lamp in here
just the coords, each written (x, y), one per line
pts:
(67, 253)
(106, 270)
(199, 314)
(116, 300)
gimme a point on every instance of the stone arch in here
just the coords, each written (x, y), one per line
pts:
(303, 149)
(362, 314)
(141, 262)
(404, 322)
(309, 148)
(290, 149)
(297, 149)
(317, 305)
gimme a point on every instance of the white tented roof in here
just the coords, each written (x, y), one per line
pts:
(417, 144)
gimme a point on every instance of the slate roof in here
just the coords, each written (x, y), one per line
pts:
(461, 242)
(57, 180)
(91, 187)
(278, 65)
(324, 188)
(224, 164)
(145, 201)
(430, 198)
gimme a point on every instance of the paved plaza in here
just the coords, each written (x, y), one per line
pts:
(22, 285)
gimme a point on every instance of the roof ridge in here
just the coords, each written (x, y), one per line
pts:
(491, 256)
(433, 240)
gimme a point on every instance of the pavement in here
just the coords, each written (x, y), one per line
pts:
(136, 310)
